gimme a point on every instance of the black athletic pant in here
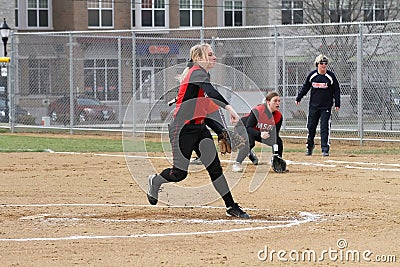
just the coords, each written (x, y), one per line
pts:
(323, 116)
(184, 140)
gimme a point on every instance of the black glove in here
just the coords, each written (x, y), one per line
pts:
(278, 163)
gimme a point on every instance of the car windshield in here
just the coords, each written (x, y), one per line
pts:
(88, 102)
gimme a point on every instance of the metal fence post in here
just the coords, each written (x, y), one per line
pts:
(284, 87)
(133, 81)
(276, 58)
(359, 84)
(71, 84)
(119, 82)
(10, 84)
(201, 35)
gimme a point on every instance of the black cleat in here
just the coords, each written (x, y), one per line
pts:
(325, 154)
(236, 211)
(152, 192)
(253, 157)
(309, 151)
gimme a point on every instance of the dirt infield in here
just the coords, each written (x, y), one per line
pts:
(62, 209)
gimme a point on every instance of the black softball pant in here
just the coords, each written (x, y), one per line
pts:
(323, 116)
(184, 140)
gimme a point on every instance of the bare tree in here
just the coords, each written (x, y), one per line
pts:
(343, 13)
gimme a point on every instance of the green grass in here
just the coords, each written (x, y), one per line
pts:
(15, 143)
(22, 143)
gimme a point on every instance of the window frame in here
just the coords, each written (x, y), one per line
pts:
(133, 13)
(295, 10)
(154, 9)
(38, 10)
(16, 15)
(38, 69)
(191, 9)
(342, 12)
(104, 85)
(371, 9)
(100, 6)
(233, 9)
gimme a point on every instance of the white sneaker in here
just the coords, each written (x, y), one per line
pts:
(237, 167)
(196, 161)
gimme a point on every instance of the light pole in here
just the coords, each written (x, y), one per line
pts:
(5, 33)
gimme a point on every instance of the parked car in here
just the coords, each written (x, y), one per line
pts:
(86, 109)
(21, 115)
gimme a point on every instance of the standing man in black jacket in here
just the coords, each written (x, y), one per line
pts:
(324, 89)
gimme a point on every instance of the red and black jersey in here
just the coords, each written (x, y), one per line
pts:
(260, 119)
(194, 97)
(265, 120)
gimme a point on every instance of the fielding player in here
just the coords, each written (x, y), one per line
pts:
(261, 124)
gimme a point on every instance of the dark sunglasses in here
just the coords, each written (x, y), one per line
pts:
(323, 63)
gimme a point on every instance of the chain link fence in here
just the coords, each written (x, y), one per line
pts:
(123, 80)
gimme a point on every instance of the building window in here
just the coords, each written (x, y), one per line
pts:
(38, 13)
(233, 13)
(374, 10)
(100, 13)
(292, 12)
(340, 11)
(237, 65)
(153, 13)
(150, 79)
(191, 13)
(101, 78)
(133, 14)
(39, 77)
(294, 74)
(16, 13)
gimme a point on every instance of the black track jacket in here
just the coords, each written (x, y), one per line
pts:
(324, 88)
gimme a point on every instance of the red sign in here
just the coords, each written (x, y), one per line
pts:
(158, 49)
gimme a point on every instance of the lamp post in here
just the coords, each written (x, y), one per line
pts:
(5, 33)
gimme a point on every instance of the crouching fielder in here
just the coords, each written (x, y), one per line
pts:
(261, 124)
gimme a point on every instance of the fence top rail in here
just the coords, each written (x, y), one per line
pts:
(163, 31)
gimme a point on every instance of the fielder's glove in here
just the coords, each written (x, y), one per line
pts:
(278, 163)
(224, 142)
(237, 141)
(229, 141)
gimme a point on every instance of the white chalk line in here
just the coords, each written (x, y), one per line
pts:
(372, 169)
(306, 217)
(289, 162)
(368, 163)
(364, 163)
